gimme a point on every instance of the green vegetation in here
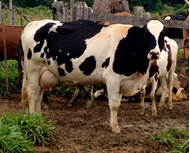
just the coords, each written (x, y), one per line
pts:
(12, 67)
(149, 5)
(31, 13)
(178, 139)
(18, 133)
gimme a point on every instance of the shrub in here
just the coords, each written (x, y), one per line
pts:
(18, 132)
(12, 66)
(179, 139)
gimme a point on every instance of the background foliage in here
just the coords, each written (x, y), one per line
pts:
(149, 5)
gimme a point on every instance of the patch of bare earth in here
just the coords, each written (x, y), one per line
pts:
(84, 130)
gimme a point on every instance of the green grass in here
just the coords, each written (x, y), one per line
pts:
(19, 132)
(178, 139)
(31, 13)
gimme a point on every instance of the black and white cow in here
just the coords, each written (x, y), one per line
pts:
(162, 69)
(83, 53)
(175, 33)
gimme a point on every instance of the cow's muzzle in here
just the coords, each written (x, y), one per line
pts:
(153, 55)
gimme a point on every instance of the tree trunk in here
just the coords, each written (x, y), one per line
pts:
(110, 6)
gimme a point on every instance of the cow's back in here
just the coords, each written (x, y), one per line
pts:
(80, 48)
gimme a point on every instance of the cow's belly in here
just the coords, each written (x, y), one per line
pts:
(129, 86)
(76, 78)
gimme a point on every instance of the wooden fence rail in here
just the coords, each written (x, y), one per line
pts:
(80, 10)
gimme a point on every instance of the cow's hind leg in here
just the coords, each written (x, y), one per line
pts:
(91, 97)
(170, 82)
(164, 91)
(35, 93)
(24, 94)
(72, 102)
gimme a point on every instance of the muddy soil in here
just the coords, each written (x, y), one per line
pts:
(84, 130)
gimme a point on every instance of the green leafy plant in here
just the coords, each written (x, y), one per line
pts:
(179, 139)
(12, 77)
(12, 140)
(25, 130)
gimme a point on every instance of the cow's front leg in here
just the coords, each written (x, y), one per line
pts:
(114, 98)
(152, 96)
(164, 91)
(142, 106)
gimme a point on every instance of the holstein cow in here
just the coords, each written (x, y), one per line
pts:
(175, 33)
(83, 53)
(12, 38)
(162, 69)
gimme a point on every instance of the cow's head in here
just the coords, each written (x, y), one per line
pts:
(154, 33)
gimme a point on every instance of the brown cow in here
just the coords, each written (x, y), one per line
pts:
(124, 13)
(12, 38)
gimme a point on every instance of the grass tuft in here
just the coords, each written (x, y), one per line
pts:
(19, 132)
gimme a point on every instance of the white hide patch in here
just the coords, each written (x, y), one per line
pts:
(167, 18)
(54, 27)
(155, 27)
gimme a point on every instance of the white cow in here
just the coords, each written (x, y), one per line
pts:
(163, 69)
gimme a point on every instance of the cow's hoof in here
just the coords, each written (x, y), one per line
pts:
(88, 106)
(70, 104)
(154, 114)
(116, 129)
(45, 107)
(141, 113)
(170, 107)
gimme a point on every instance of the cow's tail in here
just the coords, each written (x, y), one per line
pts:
(24, 101)
(21, 54)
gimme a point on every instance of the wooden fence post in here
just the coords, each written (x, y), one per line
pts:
(13, 15)
(65, 14)
(5, 51)
(11, 12)
(0, 12)
(60, 12)
(41, 15)
(138, 11)
(147, 15)
(71, 3)
(57, 10)
(81, 10)
(21, 20)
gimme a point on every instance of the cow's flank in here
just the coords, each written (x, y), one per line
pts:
(83, 53)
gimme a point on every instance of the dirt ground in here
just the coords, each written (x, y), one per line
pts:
(84, 130)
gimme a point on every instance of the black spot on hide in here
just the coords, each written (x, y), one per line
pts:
(106, 62)
(61, 71)
(88, 66)
(29, 54)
